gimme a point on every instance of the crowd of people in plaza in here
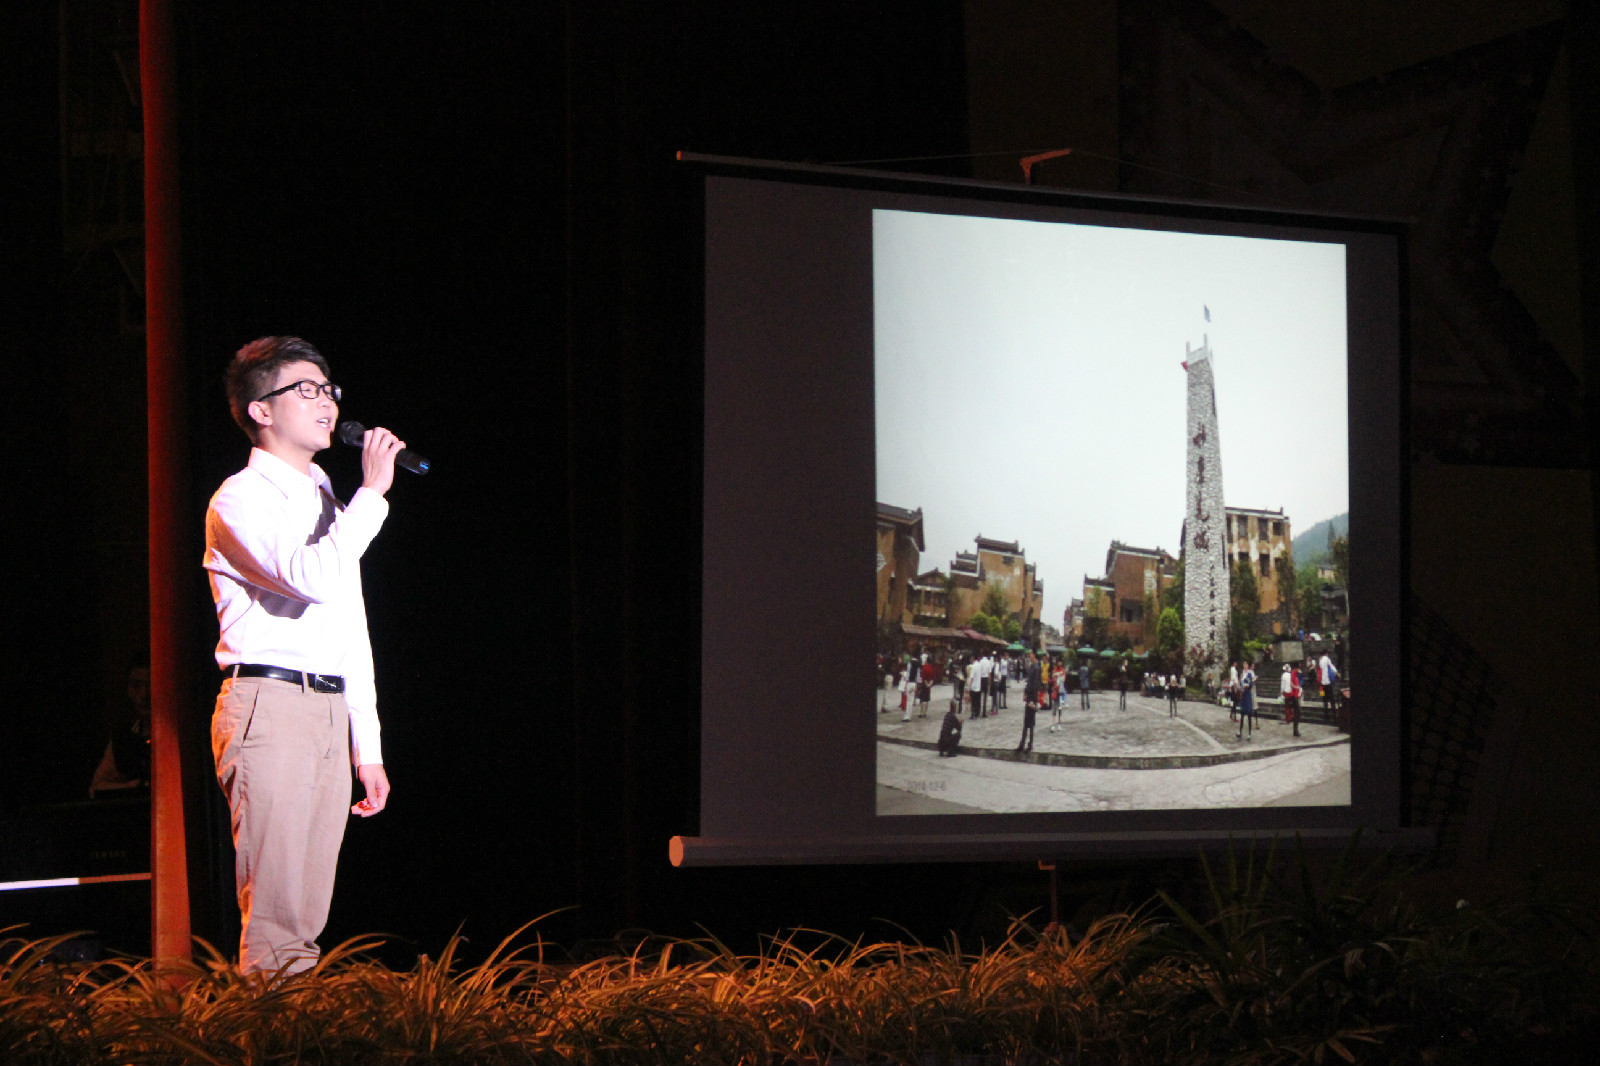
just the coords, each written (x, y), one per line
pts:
(1239, 691)
(982, 683)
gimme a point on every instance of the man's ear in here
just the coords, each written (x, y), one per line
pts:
(259, 413)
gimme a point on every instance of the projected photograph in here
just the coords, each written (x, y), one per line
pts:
(1112, 519)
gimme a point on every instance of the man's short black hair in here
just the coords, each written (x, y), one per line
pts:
(254, 371)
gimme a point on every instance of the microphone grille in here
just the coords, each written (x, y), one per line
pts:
(351, 433)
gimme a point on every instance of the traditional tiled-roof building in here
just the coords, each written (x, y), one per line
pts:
(927, 601)
(900, 548)
(997, 565)
(1262, 540)
(1129, 596)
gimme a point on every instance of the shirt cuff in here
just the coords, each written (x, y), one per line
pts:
(369, 508)
(365, 745)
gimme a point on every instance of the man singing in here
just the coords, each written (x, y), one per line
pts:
(297, 704)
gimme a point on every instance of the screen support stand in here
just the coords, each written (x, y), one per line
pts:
(1055, 896)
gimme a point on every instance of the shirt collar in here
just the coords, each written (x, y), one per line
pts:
(285, 478)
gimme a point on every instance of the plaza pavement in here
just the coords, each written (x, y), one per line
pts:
(1106, 758)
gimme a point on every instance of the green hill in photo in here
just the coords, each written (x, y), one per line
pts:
(1311, 547)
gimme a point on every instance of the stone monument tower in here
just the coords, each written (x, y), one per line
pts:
(1205, 549)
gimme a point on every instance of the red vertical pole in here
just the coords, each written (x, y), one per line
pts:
(168, 475)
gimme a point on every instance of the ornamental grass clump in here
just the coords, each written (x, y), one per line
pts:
(805, 998)
(1281, 961)
(1293, 965)
(46, 1009)
(832, 1001)
(679, 1005)
(1034, 997)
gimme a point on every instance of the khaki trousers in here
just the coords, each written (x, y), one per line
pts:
(282, 753)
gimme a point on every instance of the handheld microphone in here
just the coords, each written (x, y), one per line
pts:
(352, 432)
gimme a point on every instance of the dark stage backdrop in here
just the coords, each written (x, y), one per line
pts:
(385, 183)
(468, 206)
(470, 209)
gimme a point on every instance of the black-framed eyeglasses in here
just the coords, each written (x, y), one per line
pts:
(308, 390)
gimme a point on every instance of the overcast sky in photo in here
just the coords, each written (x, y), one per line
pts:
(1030, 388)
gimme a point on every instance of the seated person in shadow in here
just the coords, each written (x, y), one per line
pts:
(124, 769)
(950, 733)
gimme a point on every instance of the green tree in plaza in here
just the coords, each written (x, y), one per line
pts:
(1246, 593)
(994, 603)
(1308, 590)
(1169, 637)
(1096, 617)
(1172, 595)
(1287, 580)
(1246, 597)
(983, 623)
(1339, 554)
(1096, 604)
(1011, 630)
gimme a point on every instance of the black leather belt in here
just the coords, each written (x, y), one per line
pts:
(316, 682)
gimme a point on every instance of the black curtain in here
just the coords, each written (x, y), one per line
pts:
(475, 211)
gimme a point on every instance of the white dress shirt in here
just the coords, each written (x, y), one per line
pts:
(284, 559)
